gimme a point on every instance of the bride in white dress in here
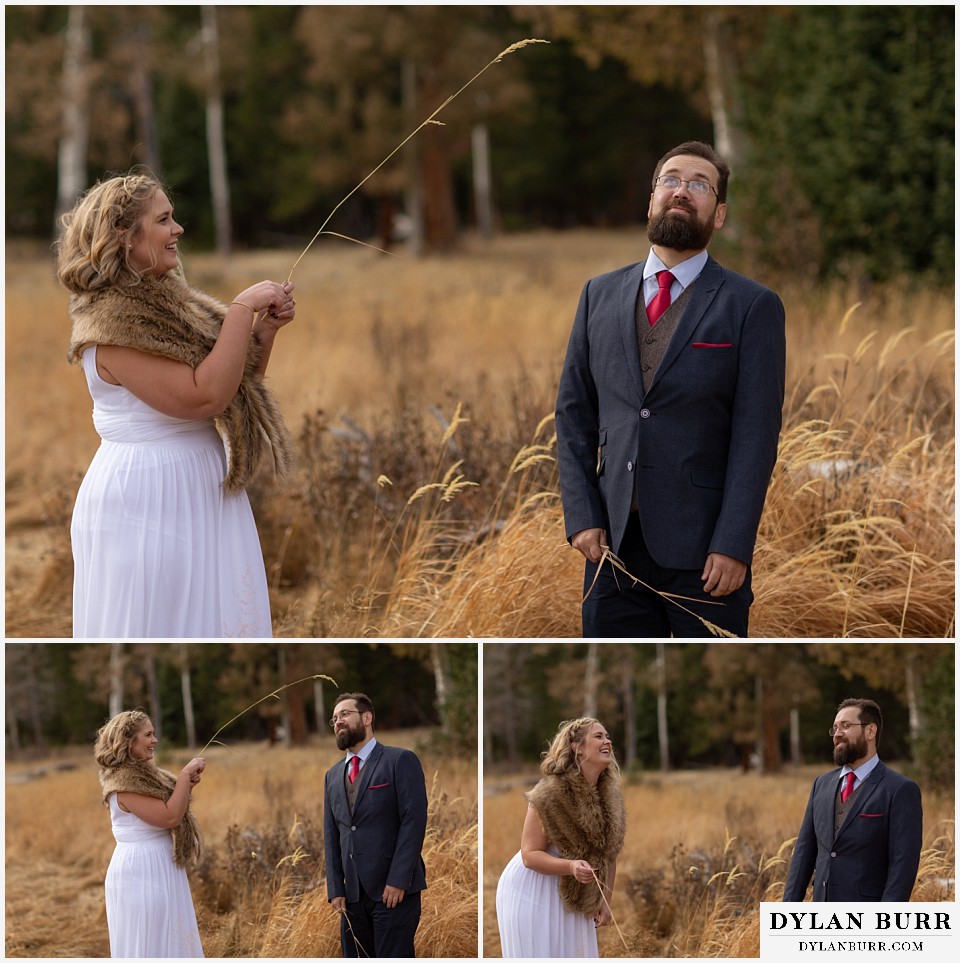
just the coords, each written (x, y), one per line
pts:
(556, 891)
(164, 540)
(149, 908)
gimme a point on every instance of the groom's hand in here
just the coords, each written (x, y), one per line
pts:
(591, 543)
(339, 903)
(392, 896)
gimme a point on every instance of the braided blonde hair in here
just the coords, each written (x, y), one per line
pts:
(112, 748)
(561, 758)
(92, 250)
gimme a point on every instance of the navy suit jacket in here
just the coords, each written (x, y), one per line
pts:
(378, 844)
(699, 446)
(875, 855)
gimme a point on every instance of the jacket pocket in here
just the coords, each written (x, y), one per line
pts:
(707, 477)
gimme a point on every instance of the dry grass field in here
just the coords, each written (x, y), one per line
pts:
(437, 379)
(259, 890)
(703, 849)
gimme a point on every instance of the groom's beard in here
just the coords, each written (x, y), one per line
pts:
(347, 738)
(679, 233)
(849, 752)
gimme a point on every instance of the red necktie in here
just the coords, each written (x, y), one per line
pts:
(661, 300)
(354, 768)
(847, 787)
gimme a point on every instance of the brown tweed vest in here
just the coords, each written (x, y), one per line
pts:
(653, 342)
(840, 809)
(351, 787)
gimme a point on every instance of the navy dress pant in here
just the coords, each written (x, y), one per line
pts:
(370, 929)
(619, 608)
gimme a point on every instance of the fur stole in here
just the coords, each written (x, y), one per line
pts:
(167, 317)
(582, 823)
(150, 780)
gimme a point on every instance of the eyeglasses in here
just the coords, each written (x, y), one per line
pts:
(342, 715)
(844, 726)
(671, 183)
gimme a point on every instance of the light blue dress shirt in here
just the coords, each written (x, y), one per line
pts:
(684, 274)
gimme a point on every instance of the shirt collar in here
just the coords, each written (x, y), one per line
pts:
(364, 753)
(686, 272)
(862, 771)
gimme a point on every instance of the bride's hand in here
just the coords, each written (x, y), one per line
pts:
(581, 871)
(604, 916)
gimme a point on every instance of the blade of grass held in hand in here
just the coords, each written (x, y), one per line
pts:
(430, 120)
(270, 695)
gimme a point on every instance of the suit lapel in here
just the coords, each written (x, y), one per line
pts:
(704, 290)
(339, 787)
(366, 775)
(627, 320)
(825, 812)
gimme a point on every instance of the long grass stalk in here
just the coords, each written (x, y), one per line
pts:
(430, 120)
(613, 919)
(270, 695)
(617, 565)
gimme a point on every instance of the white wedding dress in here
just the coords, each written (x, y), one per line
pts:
(533, 920)
(149, 908)
(159, 550)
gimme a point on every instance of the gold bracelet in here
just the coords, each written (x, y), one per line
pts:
(244, 305)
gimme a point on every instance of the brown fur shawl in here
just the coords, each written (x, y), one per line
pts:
(150, 780)
(582, 823)
(167, 317)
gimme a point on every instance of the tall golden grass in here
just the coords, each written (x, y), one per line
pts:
(260, 889)
(427, 504)
(703, 849)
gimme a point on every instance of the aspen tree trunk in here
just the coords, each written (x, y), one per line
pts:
(216, 146)
(629, 723)
(590, 681)
(153, 690)
(913, 703)
(33, 692)
(483, 204)
(662, 730)
(726, 108)
(285, 703)
(508, 716)
(187, 692)
(795, 736)
(72, 149)
(116, 678)
(758, 708)
(13, 733)
(142, 92)
(319, 707)
(414, 192)
(439, 663)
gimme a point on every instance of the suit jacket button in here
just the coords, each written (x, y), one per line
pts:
(629, 466)
(644, 412)
(353, 829)
(833, 855)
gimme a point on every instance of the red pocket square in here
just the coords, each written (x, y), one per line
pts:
(379, 785)
(871, 815)
(708, 344)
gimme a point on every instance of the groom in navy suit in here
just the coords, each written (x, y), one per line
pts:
(863, 827)
(668, 418)
(374, 820)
